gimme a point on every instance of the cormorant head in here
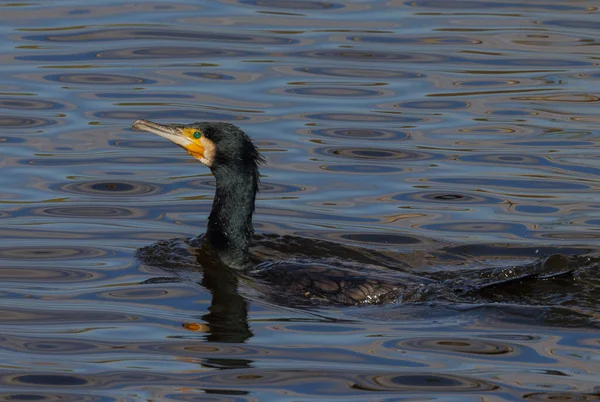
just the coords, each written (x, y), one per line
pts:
(214, 144)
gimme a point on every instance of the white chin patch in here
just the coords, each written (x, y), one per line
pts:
(209, 152)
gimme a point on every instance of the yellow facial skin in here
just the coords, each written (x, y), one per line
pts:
(195, 147)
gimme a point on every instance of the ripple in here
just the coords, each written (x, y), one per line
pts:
(376, 238)
(479, 227)
(358, 133)
(511, 112)
(174, 53)
(575, 23)
(157, 33)
(212, 76)
(45, 397)
(357, 117)
(294, 4)
(516, 337)
(109, 188)
(485, 132)
(107, 161)
(264, 187)
(52, 346)
(447, 197)
(357, 73)
(334, 92)
(151, 53)
(98, 79)
(373, 154)
(280, 188)
(484, 83)
(137, 144)
(506, 159)
(560, 396)
(373, 56)
(147, 293)
(87, 212)
(429, 40)
(203, 349)
(25, 122)
(52, 380)
(521, 62)
(514, 183)
(128, 95)
(50, 253)
(536, 209)
(458, 345)
(551, 144)
(54, 274)
(30, 104)
(168, 114)
(435, 105)
(469, 5)
(422, 382)
(12, 140)
(362, 169)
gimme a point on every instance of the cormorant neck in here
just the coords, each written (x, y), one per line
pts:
(230, 228)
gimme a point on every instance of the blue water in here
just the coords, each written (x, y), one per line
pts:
(443, 136)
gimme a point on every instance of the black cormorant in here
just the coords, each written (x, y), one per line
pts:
(234, 161)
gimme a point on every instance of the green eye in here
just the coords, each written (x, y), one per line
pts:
(197, 135)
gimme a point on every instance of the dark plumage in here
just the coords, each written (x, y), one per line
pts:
(234, 161)
(235, 167)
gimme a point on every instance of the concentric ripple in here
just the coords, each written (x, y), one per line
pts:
(373, 154)
(9, 122)
(98, 79)
(46, 276)
(364, 118)
(294, 4)
(162, 33)
(479, 227)
(514, 183)
(31, 104)
(434, 105)
(458, 345)
(179, 52)
(362, 169)
(506, 159)
(357, 73)
(279, 188)
(87, 212)
(450, 197)
(109, 188)
(334, 92)
(145, 293)
(360, 133)
(50, 253)
(423, 382)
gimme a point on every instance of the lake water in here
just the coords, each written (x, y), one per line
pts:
(446, 136)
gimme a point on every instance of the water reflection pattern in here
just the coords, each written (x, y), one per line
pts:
(452, 134)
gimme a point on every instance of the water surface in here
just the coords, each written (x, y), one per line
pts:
(444, 136)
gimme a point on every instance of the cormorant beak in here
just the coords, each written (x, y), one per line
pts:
(175, 133)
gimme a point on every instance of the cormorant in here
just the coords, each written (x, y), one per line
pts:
(234, 161)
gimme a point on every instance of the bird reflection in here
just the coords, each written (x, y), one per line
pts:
(227, 317)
